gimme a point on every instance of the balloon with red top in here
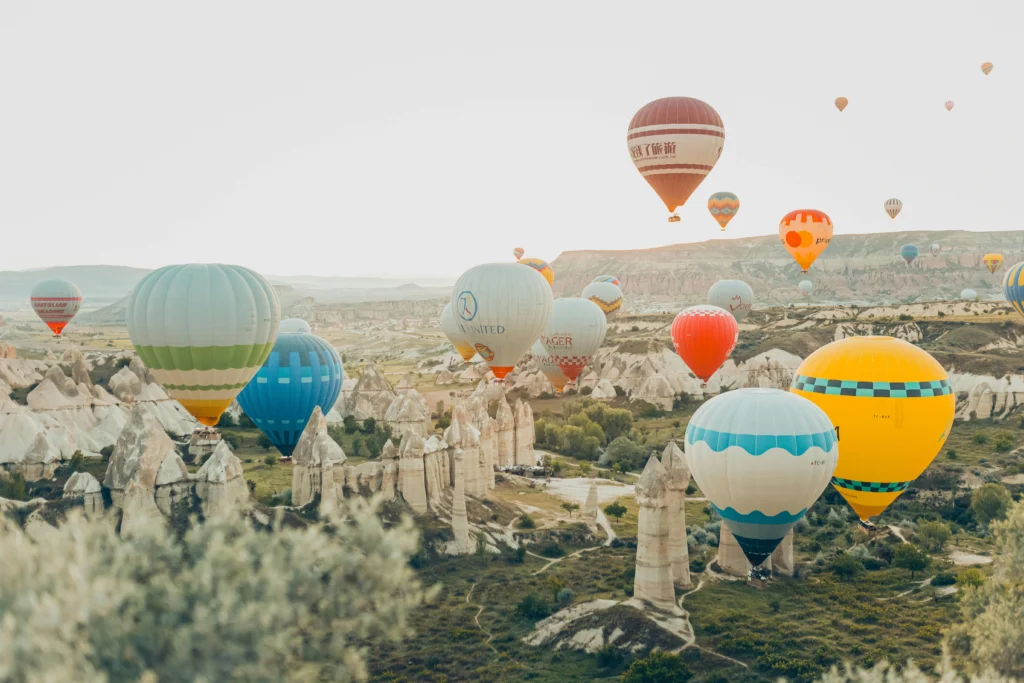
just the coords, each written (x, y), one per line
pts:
(704, 336)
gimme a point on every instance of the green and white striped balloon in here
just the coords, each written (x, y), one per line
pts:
(203, 330)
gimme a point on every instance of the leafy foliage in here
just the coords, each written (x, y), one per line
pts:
(990, 502)
(657, 667)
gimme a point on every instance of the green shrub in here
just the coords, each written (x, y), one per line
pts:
(944, 579)
(980, 439)
(525, 521)
(13, 487)
(270, 460)
(533, 606)
(657, 667)
(552, 549)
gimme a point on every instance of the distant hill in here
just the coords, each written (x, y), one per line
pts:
(99, 284)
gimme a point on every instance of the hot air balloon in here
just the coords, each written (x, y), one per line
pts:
(1013, 287)
(723, 206)
(704, 336)
(302, 372)
(606, 295)
(548, 366)
(949, 105)
(992, 261)
(805, 233)
(841, 103)
(893, 207)
(450, 327)
(892, 407)
(294, 326)
(935, 249)
(762, 457)
(56, 302)
(541, 267)
(501, 309)
(806, 287)
(970, 295)
(909, 253)
(518, 253)
(607, 278)
(734, 296)
(674, 142)
(574, 333)
(203, 330)
(986, 68)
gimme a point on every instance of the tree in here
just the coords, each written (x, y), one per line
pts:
(934, 536)
(525, 521)
(264, 442)
(909, 557)
(349, 423)
(270, 460)
(990, 502)
(657, 667)
(556, 585)
(369, 425)
(570, 508)
(357, 447)
(137, 594)
(615, 510)
(77, 462)
(13, 487)
(970, 578)
(847, 566)
(533, 606)
(623, 450)
(231, 440)
(226, 420)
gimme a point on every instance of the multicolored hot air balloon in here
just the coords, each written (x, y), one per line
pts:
(762, 457)
(607, 278)
(992, 261)
(542, 267)
(734, 296)
(450, 327)
(723, 206)
(574, 333)
(970, 295)
(203, 330)
(935, 249)
(805, 233)
(805, 287)
(606, 295)
(302, 372)
(893, 207)
(56, 302)
(892, 407)
(841, 103)
(501, 309)
(986, 68)
(909, 252)
(548, 367)
(518, 253)
(674, 143)
(1013, 287)
(949, 105)
(704, 336)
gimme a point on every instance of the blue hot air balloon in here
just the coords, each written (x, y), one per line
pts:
(302, 372)
(909, 253)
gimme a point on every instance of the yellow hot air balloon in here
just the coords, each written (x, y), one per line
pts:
(892, 406)
(841, 103)
(992, 261)
(542, 267)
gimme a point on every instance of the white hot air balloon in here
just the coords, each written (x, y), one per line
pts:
(501, 309)
(606, 295)
(574, 333)
(935, 249)
(893, 207)
(548, 367)
(56, 302)
(450, 327)
(734, 296)
(762, 457)
(294, 326)
(969, 295)
(806, 287)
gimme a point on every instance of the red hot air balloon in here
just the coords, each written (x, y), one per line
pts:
(675, 142)
(704, 336)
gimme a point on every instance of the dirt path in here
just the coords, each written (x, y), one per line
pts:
(897, 533)
(556, 560)
(476, 620)
(692, 640)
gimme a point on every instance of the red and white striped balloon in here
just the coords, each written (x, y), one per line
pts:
(573, 335)
(56, 302)
(704, 336)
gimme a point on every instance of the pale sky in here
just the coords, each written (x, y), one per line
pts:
(373, 138)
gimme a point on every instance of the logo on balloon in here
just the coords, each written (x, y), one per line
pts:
(467, 306)
(485, 352)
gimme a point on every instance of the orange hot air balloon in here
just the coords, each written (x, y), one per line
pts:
(805, 233)
(704, 336)
(674, 143)
(986, 68)
(841, 103)
(992, 261)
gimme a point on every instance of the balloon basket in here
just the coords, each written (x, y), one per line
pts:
(703, 385)
(674, 218)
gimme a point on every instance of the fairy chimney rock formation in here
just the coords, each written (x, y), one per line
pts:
(220, 483)
(85, 486)
(525, 434)
(371, 396)
(653, 578)
(782, 557)
(315, 452)
(590, 507)
(488, 440)
(411, 475)
(462, 545)
(731, 559)
(506, 433)
(674, 462)
(408, 414)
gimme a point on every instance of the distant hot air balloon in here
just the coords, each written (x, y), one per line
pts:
(548, 367)
(294, 326)
(806, 287)
(970, 295)
(704, 336)
(892, 407)
(574, 333)
(986, 68)
(805, 233)
(450, 327)
(949, 105)
(518, 252)
(935, 249)
(203, 330)
(674, 143)
(992, 261)
(56, 302)
(1013, 287)
(909, 252)
(734, 296)
(302, 372)
(762, 457)
(501, 309)
(841, 103)
(541, 267)
(723, 206)
(893, 207)
(606, 278)
(606, 295)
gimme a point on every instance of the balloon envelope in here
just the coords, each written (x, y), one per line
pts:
(805, 233)
(302, 372)
(969, 295)
(574, 333)
(723, 206)
(841, 103)
(762, 457)
(548, 366)
(56, 302)
(606, 278)
(501, 309)
(203, 330)
(805, 287)
(704, 336)
(1013, 287)
(674, 143)
(986, 68)
(893, 207)
(892, 406)
(542, 267)
(992, 261)
(734, 296)
(949, 105)
(294, 326)
(518, 252)
(909, 252)
(450, 327)
(935, 249)
(606, 295)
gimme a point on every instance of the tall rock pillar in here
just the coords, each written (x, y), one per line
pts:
(653, 579)
(460, 523)
(678, 479)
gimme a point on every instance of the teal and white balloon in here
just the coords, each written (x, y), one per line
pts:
(806, 287)
(762, 457)
(969, 295)
(295, 326)
(734, 296)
